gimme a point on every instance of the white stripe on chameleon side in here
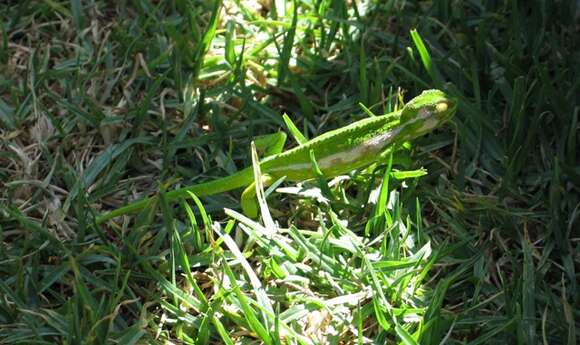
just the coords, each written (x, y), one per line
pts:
(372, 146)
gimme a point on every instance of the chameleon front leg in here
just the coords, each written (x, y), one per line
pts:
(401, 156)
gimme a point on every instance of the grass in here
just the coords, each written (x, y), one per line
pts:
(101, 103)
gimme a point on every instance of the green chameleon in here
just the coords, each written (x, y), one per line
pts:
(337, 152)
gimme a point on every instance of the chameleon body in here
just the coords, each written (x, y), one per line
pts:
(337, 152)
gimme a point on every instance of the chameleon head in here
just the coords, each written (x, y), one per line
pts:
(426, 112)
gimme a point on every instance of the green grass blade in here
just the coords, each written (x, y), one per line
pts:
(298, 136)
(286, 52)
(426, 59)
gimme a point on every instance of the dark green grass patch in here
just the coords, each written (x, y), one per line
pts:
(104, 102)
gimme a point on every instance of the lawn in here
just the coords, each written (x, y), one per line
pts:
(469, 235)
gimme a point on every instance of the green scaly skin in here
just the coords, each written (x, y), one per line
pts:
(337, 152)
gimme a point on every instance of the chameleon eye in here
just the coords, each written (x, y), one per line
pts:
(441, 107)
